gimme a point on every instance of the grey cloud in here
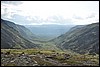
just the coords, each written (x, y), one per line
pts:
(19, 19)
(9, 12)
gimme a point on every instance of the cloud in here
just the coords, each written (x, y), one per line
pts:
(24, 20)
(87, 20)
(78, 17)
(50, 12)
(8, 10)
(12, 2)
(92, 15)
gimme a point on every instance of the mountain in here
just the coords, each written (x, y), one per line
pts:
(47, 32)
(16, 36)
(81, 39)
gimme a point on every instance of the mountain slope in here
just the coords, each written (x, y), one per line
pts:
(81, 39)
(15, 36)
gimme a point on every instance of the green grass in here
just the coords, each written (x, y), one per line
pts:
(30, 51)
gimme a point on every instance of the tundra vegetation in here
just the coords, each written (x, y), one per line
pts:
(40, 57)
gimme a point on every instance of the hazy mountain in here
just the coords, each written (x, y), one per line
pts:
(81, 39)
(47, 32)
(16, 36)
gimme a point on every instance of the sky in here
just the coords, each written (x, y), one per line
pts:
(50, 12)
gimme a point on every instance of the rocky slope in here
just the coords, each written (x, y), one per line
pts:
(32, 57)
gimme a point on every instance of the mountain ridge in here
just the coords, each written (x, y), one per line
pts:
(12, 37)
(82, 40)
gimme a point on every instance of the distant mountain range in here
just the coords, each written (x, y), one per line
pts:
(81, 39)
(47, 32)
(16, 36)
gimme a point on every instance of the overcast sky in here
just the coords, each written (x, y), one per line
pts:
(50, 12)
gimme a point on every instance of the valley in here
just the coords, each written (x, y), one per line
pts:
(78, 46)
(48, 32)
